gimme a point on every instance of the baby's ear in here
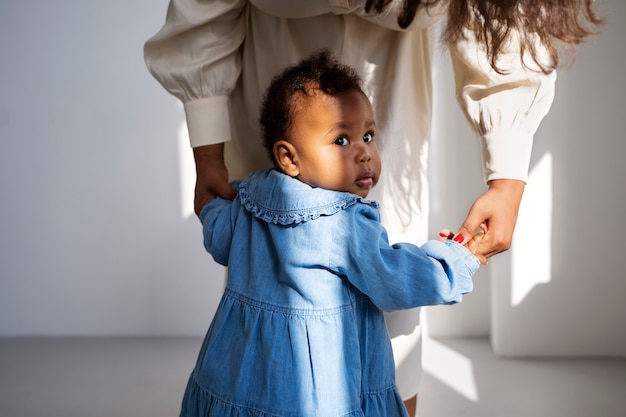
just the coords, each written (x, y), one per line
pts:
(285, 156)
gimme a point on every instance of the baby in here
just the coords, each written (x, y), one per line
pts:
(299, 330)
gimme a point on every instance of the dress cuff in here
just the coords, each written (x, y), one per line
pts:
(506, 155)
(208, 121)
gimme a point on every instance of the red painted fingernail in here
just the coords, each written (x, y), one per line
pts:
(459, 239)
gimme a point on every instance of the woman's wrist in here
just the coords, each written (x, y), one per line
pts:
(512, 187)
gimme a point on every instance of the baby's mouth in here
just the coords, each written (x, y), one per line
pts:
(365, 181)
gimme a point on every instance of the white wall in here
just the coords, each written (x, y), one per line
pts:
(577, 305)
(93, 239)
(96, 236)
(560, 290)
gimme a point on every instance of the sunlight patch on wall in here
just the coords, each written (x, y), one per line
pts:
(450, 368)
(187, 173)
(531, 250)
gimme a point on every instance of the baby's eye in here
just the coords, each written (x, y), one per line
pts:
(341, 141)
(368, 137)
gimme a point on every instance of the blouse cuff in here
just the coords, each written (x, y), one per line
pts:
(506, 155)
(208, 121)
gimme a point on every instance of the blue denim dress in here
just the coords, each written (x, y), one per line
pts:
(299, 331)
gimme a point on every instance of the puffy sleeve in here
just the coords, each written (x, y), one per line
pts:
(196, 57)
(402, 275)
(505, 109)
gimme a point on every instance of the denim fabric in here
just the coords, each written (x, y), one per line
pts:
(299, 330)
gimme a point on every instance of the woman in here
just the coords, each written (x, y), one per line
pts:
(218, 57)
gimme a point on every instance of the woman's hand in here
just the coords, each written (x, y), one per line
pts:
(211, 176)
(494, 213)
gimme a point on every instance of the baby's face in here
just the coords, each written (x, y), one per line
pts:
(334, 141)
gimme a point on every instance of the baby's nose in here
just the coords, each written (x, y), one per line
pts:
(364, 154)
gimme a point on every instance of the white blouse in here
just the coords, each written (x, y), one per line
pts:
(218, 57)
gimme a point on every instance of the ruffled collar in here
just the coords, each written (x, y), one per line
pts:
(277, 198)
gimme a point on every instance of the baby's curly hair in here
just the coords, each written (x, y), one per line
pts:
(320, 71)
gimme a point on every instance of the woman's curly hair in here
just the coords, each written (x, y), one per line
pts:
(321, 71)
(556, 23)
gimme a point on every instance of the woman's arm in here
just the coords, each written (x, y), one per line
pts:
(505, 109)
(211, 176)
(196, 57)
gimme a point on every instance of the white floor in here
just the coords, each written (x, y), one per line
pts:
(482, 385)
(131, 377)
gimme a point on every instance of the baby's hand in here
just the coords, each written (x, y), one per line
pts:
(471, 245)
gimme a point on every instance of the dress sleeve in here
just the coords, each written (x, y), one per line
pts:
(216, 219)
(505, 109)
(402, 275)
(196, 57)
